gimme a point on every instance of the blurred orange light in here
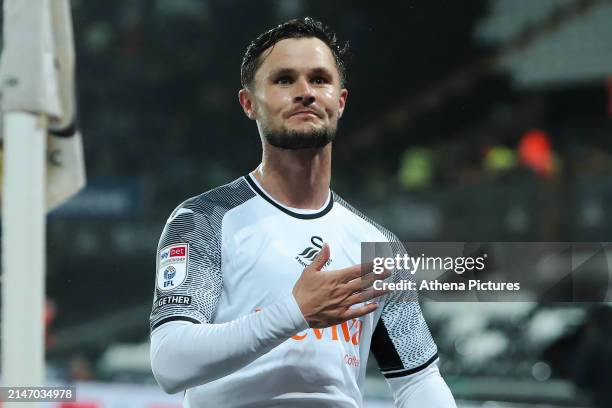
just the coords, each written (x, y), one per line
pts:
(535, 152)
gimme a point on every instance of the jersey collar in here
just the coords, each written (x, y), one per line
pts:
(288, 210)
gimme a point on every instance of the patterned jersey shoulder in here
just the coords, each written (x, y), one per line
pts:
(189, 279)
(217, 201)
(388, 235)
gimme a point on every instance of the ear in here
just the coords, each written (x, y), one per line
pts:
(246, 101)
(342, 101)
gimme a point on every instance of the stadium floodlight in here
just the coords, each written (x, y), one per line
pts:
(42, 167)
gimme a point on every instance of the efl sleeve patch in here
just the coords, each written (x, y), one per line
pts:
(172, 266)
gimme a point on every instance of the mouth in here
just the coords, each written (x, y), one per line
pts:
(304, 114)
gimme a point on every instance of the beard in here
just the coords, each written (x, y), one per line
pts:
(293, 140)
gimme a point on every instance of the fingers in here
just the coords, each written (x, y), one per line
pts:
(353, 272)
(365, 296)
(359, 311)
(321, 259)
(366, 281)
(339, 295)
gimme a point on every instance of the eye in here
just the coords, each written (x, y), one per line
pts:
(283, 80)
(319, 80)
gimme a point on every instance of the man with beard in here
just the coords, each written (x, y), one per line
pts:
(237, 320)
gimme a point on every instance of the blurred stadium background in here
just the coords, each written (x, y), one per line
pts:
(480, 120)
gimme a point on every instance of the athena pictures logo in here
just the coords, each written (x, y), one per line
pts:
(172, 266)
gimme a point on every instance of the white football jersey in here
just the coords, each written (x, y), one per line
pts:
(234, 250)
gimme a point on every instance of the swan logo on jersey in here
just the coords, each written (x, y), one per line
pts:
(308, 255)
(172, 266)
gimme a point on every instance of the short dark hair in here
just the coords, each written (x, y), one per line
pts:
(297, 28)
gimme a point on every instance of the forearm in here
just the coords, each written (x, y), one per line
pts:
(184, 355)
(425, 389)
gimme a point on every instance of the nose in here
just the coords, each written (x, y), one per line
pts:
(304, 93)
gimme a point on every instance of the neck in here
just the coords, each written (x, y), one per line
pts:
(296, 178)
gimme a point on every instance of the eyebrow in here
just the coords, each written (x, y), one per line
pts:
(282, 71)
(291, 71)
